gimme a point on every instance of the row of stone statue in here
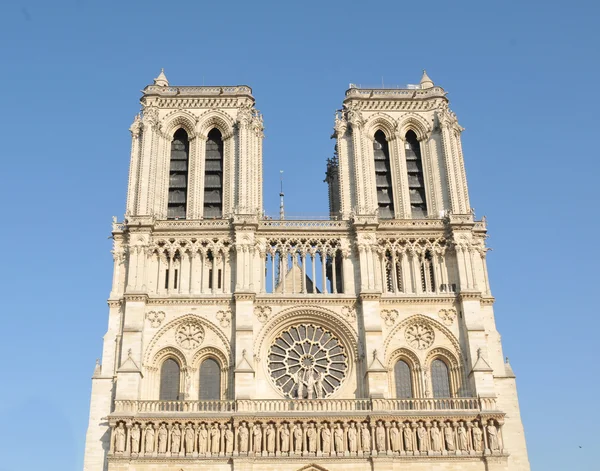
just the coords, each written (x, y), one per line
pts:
(307, 439)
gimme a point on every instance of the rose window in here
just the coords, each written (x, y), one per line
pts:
(419, 335)
(307, 362)
(189, 335)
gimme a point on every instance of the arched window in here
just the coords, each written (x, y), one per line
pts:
(416, 183)
(440, 379)
(169, 380)
(428, 273)
(210, 380)
(213, 176)
(383, 176)
(178, 176)
(403, 380)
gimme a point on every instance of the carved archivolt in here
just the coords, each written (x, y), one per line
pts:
(210, 352)
(416, 123)
(180, 119)
(168, 352)
(383, 122)
(216, 119)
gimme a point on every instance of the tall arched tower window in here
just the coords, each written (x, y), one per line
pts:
(210, 380)
(416, 182)
(383, 176)
(213, 176)
(178, 176)
(169, 380)
(440, 379)
(403, 380)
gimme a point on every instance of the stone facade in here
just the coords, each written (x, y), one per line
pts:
(309, 323)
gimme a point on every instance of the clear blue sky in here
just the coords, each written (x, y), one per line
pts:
(521, 75)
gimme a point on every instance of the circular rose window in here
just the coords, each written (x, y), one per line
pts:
(307, 362)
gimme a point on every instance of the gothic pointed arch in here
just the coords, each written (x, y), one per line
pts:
(416, 123)
(381, 122)
(180, 119)
(216, 119)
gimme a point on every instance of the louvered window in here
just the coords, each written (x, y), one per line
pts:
(440, 379)
(210, 380)
(178, 176)
(213, 176)
(403, 380)
(383, 176)
(414, 167)
(169, 380)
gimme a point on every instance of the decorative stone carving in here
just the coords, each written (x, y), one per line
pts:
(203, 440)
(463, 440)
(284, 437)
(162, 438)
(270, 435)
(349, 312)
(326, 439)
(449, 437)
(380, 436)
(262, 313)
(419, 335)
(243, 437)
(176, 439)
(395, 438)
(408, 438)
(257, 438)
(224, 318)
(436, 438)
(297, 438)
(228, 436)
(135, 438)
(307, 361)
(492, 433)
(352, 438)
(447, 315)
(189, 436)
(155, 318)
(215, 436)
(365, 438)
(149, 439)
(189, 335)
(120, 438)
(389, 316)
(422, 437)
(338, 438)
(477, 437)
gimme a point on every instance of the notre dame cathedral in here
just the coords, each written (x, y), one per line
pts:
(365, 341)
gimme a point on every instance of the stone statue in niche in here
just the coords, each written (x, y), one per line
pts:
(492, 432)
(326, 438)
(436, 438)
(352, 438)
(463, 441)
(175, 439)
(190, 436)
(365, 438)
(380, 436)
(202, 440)
(162, 438)
(408, 438)
(243, 437)
(270, 438)
(477, 437)
(338, 438)
(284, 437)
(311, 435)
(449, 437)
(257, 438)
(395, 438)
(135, 438)
(422, 436)
(120, 438)
(149, 439)
(319, 385)
(228, 439)
(298, 438)
(215, 437)
(310, 383)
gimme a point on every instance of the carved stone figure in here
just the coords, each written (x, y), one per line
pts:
(311, 434)
(463, 442)
(352, 438)
(215, 437)
(319, 385)
(176, 439)
(326, 438)
(149, 439)
(449, 438)
(477, 437)
(365, 438)
(270, 438)
(243, 437)
(310, 384)
(408, 438)
(297, 438)
(257, 438)
(299, 380)
(338, 438)
(228, 439)
(162, 438)
(120, 438)
(492, 432)
(202, 439)
(190, 435)
(422, 436)
(135, 439)
(436, 438)
(380, 436)
(395, 438)
(284, 436)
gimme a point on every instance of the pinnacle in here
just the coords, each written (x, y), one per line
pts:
(426, 82)
(161, 80)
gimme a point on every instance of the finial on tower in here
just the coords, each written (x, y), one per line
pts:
(426, 82)
(161, 80)
(281, 210)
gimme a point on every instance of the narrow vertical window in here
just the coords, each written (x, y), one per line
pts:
(403, 380)
(416, 183)
(383, 176)
(213, 176)
(169, 380)
(178, 176)
(440, 379)
(210, 380)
